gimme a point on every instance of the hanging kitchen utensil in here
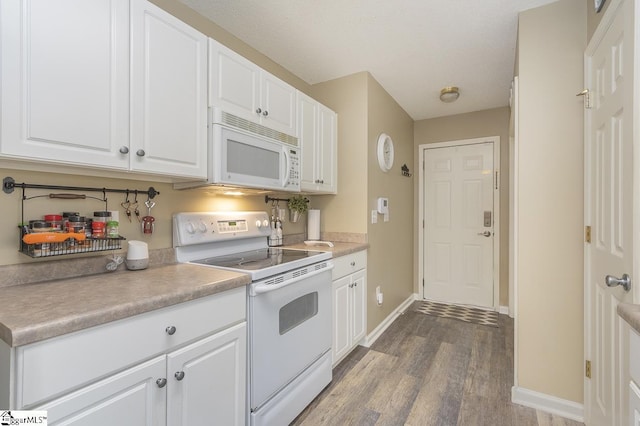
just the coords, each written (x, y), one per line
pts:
(136, 210)
(126, 205)
(148, 222)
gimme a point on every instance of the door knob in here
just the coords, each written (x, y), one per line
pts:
(485, 233)
(161, 382)
(179, 375)
(625, 281)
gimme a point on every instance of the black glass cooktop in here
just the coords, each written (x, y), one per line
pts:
(258, 259)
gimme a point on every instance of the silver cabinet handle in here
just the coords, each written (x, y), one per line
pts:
(170, 330)
(265, 113)
(161, 382)
(124, 150)
(353, 263)
(625, 281)
(485, 233)
(140, 153)
(179, 375)
(258, 111)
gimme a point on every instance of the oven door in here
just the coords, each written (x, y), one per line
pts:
(289, 329)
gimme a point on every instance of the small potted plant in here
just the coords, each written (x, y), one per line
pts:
(298, 205)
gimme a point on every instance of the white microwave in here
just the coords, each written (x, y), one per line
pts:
(243, 154)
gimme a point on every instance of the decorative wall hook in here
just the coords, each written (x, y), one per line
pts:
(405, 170)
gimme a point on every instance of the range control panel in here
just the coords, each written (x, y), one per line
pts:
(211, 227)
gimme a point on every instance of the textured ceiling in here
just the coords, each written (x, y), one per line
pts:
(413, 48)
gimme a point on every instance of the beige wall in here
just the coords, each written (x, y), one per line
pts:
(365, 110)
(346, 212)
(549, 301)
(493, 122)
(169, 201)
(390, 263)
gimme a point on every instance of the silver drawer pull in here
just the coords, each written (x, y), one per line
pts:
(161, 382)
(353, 263)
(170, 330)
(179, 375)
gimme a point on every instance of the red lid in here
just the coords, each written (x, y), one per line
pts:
(52, 217)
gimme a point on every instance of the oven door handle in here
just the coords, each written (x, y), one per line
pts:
(261, 288)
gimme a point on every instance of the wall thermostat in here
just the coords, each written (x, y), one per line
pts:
(383, 205)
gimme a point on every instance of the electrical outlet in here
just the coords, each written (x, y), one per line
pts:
(374, 216)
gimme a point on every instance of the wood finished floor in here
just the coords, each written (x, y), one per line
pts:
(425, 370)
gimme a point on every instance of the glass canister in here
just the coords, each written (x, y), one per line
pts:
(98, 229)
(112, 229)
(102, 216)
(76, 224)
(55, 220)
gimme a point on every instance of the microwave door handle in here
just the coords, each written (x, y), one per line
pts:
(287, 165)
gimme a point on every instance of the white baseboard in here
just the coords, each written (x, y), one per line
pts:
(550, 404)
(373, 336)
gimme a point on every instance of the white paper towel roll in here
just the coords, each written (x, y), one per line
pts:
(313, 224)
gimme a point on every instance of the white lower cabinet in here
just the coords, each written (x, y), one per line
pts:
(180, 365)
(349, 303)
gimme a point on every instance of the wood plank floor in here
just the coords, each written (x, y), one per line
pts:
(425, 370)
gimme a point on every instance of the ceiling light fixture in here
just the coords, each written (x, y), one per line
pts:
(449, 94)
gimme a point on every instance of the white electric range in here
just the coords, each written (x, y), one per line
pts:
(289, 307)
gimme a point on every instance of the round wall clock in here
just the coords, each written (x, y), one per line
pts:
(385, 152)
(598, 5)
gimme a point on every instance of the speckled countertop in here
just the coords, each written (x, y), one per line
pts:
(34, 312)
(338, 249)
(631, 314)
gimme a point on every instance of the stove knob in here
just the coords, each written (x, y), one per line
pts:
(265, 223)
(190, 228)
(202, 227)
(258, 224)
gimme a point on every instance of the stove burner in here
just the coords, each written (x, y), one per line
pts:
(257, 259)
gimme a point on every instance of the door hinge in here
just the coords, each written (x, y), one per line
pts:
(587, 234)
(496, 179)
(587, 369)
(587, 98)
(423, 282)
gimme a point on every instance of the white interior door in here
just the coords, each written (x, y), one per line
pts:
(459, 224)
(609, 208)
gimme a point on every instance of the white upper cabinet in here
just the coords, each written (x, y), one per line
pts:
(111, 84)
(318, 138)
(168, 94)
(240, 87)
(65, 81)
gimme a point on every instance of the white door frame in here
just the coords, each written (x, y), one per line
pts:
(495, 140)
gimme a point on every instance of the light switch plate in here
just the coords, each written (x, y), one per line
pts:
(374, 216)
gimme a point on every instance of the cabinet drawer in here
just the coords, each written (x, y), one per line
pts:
(348, 264)
(50, 367)
(634, 356)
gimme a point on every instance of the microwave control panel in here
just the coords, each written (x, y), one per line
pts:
(294, 168)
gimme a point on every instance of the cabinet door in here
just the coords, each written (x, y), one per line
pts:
(634, 404)
(327, 150)
(168, 94)
(65, 81)
(234, 82)
(308, 135)
(207, 380)
(278, 103)
(130, 398)
(341, 318)
(358, 305)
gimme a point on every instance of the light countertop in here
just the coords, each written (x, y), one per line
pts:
(338, 249)
(34, 312)
(631, 314)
